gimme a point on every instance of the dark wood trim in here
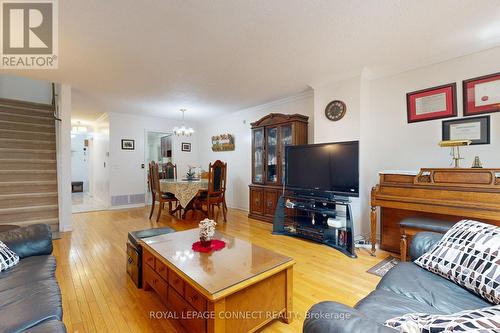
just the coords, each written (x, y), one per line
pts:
(453, 99)
(253, 154)
(267, 130)
(447, 194)
(279, 118)
(464, 95)
(266, 191)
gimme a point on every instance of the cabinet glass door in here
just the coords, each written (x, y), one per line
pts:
(258, 158)
(286, 140)
(272, 155)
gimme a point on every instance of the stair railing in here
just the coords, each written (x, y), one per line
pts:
(54, 103)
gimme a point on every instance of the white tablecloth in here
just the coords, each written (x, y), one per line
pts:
(183, 190)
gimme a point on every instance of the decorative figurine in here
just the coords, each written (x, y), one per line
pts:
(477, 163)
(207, 232)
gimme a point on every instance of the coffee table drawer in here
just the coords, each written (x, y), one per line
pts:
(195, 299)
(187, 313)
(156, 282)
(161, 269)
(133, 267)
(148, 258)
(176, 282)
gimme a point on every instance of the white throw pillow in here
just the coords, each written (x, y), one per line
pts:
(485, 320)
(468, 255)
(8, 258)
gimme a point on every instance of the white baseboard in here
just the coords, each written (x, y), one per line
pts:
(238, 208)
(126, 206)
(100, 201)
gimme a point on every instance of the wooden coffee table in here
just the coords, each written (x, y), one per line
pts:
(237, 289)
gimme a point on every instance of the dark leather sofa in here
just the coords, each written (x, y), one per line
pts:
(406, 288)
(30, 298)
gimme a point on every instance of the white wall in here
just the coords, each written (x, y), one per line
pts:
(63, 131)
(99, 168)
(239, 160)
(377, 116)
(25, 89)
(392, 143)
(346, 129)
(127, 178)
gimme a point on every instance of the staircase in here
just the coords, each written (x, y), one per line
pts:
(28, 168)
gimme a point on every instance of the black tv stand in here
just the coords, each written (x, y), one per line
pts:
(323, 219)
(321, 196)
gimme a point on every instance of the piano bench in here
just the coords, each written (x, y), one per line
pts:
(412, 225)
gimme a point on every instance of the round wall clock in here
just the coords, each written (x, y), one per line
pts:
(335, 110)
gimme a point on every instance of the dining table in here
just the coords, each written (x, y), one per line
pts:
(184, 190)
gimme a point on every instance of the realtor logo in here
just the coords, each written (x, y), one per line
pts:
(29, 38)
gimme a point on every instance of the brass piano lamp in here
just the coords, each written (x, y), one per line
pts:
(455, 149)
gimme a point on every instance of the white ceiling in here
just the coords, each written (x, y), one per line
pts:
(155, 57)
(84, 107)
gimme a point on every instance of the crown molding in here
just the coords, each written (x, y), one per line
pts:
(302, 95)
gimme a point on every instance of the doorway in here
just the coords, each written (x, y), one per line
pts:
(159, 149)
(82, 182)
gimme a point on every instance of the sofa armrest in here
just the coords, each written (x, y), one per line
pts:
(333, 317)
(423, 242)
(33, 240)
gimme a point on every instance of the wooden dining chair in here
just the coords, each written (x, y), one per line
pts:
(161, 197)
(215, 196)
(151, 189)
(169, 170)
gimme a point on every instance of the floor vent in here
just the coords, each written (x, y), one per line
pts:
(131, 199)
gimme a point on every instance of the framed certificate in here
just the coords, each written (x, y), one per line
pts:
(433, 103)
(482, 95)
(476, 129)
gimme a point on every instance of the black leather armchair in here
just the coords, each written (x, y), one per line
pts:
(30, 298)
(406, 288)
(34, 240)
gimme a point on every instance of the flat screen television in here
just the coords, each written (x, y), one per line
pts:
(328, 168)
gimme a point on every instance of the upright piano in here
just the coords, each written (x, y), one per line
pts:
(446, 194)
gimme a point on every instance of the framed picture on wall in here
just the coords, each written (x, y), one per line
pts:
(481, 94)
(128, 144)
(186, 146)
(432, 103)
(476, 129)
(223, 142)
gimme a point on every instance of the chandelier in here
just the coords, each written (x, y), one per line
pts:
(183, 130)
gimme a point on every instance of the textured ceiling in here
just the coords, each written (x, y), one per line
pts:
(211, 57)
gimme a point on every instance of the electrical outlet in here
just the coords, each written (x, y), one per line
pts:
(363, 246)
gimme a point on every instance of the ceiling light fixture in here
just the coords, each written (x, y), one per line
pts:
(183, 130)
(78, 129)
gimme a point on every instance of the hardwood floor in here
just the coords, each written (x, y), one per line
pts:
(99, 297)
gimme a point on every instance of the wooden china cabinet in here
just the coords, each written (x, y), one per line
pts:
(270, 136)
